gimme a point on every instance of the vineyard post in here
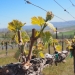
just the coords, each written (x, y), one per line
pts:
(74, 33)
(62, 42)
(49, 48)
(6, 47)
(56, 33)
(73, 53)
(74, 61)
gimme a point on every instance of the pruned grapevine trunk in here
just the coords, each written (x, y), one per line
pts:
(30, 51)
(32, 40)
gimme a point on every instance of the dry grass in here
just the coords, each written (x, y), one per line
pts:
(61, 69)
(9, 58)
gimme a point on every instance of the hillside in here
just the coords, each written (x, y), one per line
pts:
(62, 26)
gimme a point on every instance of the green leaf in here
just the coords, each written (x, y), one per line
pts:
(50, 40)
(58, 47)
(25, 36)
(15, 25)
(37, 21)
(41, 54)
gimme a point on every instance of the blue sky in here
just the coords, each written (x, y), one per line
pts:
(18, 9)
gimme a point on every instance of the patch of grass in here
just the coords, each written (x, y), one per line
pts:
(67, 33)
(9, 51)
(7, 60)
(16, 55)
(61, 69)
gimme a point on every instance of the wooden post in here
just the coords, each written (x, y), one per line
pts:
(74, 33)
(56, 34)
(74, 62)
(74, 59)
(49, 48)
(18, 32)
(62, 42)
(73, 53)
(6, 47)
(19, 36)
(33, 33)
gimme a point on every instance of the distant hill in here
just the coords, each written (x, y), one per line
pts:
(60, 25)
(3, 29)
(56, 24)
(64, 24)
